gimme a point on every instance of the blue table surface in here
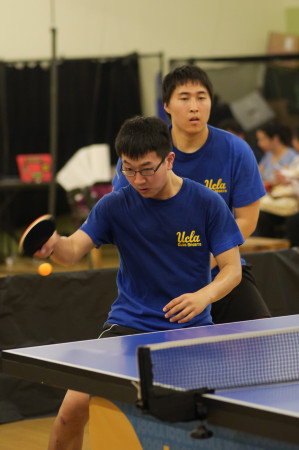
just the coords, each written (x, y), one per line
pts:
(275, 398)
(117, 356)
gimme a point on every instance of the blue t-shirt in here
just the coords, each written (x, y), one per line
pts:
(164, 249)
(269, 167)
(225, 164)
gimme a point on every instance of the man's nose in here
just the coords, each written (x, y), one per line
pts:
(193, 104)
(139, 179)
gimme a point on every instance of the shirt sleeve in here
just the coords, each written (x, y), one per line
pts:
(248, 185)
(98, 224)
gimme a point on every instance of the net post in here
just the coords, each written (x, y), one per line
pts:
(145, 376)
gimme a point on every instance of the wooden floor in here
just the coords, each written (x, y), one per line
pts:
(31, 435)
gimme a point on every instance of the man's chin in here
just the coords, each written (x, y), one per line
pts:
(144, 192)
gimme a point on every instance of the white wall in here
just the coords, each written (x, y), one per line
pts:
(115, 27)
(177, 28)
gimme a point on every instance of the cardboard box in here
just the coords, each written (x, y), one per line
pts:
(283, 44)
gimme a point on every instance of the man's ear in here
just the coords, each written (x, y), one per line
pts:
(169, 159)
(166, 108)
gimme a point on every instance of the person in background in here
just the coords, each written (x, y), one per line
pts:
(292, 222)
(221, 161)
(275, 140)
(289, 175)
(232, 126)
(275, 221)
(295, 138)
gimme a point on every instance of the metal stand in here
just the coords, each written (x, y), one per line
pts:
(53, 114)
(53, 124)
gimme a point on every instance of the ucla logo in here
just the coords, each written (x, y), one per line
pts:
(191, 240)
(219, 186)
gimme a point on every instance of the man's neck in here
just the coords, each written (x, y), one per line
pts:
(172, 187)
(187, 142)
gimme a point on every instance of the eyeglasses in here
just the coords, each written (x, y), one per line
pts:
(143, 172)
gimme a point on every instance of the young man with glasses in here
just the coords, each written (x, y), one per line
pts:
(164, 245)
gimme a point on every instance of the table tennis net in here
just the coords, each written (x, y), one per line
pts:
(229, 361)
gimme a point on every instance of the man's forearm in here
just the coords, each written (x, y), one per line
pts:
(63, 252)
(224, 282)
(247, 218)
(245, 227)
(66, 251)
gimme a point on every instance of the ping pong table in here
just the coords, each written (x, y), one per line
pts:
(112, 369)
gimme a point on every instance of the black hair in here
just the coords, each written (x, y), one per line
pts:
(275, 128)
(141, 135)
(182, 75)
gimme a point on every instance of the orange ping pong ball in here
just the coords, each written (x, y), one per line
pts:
(45, 269)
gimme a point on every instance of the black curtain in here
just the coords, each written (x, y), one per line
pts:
(27, 111)
(95, 96)
(283, 83)
(25, 118)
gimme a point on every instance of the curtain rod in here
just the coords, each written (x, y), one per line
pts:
(258, 58)
(91, 58)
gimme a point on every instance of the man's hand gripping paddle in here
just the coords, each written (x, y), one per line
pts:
(35, 236)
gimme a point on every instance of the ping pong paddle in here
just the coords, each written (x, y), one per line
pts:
(38, 232)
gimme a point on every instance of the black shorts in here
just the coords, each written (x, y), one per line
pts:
(244, 302)
(113, 330)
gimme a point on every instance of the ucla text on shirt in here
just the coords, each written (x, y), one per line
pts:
(217, 187)
(191, 240)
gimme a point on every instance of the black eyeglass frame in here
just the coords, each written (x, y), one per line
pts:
(132, 173)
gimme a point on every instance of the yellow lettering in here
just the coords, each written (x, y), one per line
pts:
(188, 241)
(219, 186)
